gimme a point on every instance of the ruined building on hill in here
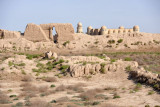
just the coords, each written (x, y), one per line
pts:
(63, 32)
(104, 30)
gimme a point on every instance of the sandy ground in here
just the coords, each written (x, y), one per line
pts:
(111, 84)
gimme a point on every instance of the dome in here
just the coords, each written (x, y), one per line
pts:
(136, 27)
(103, 27)
(89, 27)
(79, 24)
(121, 27)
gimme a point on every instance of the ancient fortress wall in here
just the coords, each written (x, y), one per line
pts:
(104, 30)
(44, 32)
(64, 32)
(5, 34)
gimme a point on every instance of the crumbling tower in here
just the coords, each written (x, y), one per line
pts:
(89, 29)
(79, 28)
(103, 30)
(136, 28)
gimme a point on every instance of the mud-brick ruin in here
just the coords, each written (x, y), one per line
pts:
(64, 32)
(103, 30)
(44, 32)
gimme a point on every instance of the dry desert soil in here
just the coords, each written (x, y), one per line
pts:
(28, 80)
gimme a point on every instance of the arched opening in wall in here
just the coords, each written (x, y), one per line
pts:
(54, 33)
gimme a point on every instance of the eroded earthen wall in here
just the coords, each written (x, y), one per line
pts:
(5, 34)
(64, 31)
(35, 33)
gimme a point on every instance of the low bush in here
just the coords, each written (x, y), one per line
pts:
(137, 87)
(102, 70)
(120, 41)
(128, 68)
(111, 41)
(128, 59)
(31, 56)
(116, 96)
(65, 43)
(113, 60)
(64, 68)
(151, 92)
(23, 72)
(52, 86)
(13, 96)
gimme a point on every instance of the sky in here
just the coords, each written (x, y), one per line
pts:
(16, 14)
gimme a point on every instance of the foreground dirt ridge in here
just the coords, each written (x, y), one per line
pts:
(62, 81)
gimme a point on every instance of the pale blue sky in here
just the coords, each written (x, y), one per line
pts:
(15, 14)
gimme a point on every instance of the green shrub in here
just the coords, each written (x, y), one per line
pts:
(2, 68)
(128, 68)
(137, 87)
(125, 45)
(23, 72)
(15, 99)
(116, 96)
(102, 70)
(147, 105)
(113, 60)
(30, 56)
(65, 43)
(120, 41)
(21, 64)
(53, 101)
(61, 61)
(42, 95)
(101, 56)
(95, 103)
(84, 63)
(150, 92)
(52, 86)
(10, 90)
(111, 41)
(10, 63)
(40, 65)
(128, 59)
(156, 86)
(96, 42)
(13, 96)
(64, 67)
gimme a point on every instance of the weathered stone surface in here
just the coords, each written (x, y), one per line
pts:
(146, 77)
(5, 34)
(65, 32)
(55, 55)
(35, 33)
(50, 55)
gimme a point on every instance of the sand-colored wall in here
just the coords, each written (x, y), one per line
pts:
(64, 31)
(35, 33)
(5, 34)
(104, 30)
